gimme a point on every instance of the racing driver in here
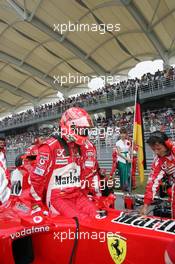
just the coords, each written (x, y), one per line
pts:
(163, 166)
(56, 178)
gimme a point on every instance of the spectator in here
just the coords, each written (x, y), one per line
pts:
(124, 159)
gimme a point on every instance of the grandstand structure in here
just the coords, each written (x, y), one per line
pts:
(33, 53)
(154, 91)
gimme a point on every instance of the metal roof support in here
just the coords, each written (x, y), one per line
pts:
(90, 11)
(58, 37)
(166, 65)
(14, 90)
(22, 14)
(69, 45)
(154, 14)
(33, 49)
(115, 68)
(35, 72)
(151, 35)
(6, 105)
(59, 63)
(35, 10)
(171, 53)
(163, 18)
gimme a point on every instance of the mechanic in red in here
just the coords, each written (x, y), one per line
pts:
(20, 198)
(163, 166)
(29, 157)
(58, 168)
(20, 185)
(20, 180)
(4, 174)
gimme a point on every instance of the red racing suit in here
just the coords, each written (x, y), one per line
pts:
(161, 167)
(94, 178)
(90, 169)
(57, 172)
(4, 179)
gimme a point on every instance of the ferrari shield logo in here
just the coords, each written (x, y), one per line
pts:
(117, 247)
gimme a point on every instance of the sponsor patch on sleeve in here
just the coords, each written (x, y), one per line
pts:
(89, 163)
(39, 171)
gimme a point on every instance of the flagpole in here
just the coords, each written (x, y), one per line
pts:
(130, 187)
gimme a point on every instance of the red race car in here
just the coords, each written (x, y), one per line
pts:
(115, 237)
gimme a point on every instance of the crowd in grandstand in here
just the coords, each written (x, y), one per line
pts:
(24, 139)
(163, 119)
(20, 141)
(123, 89)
